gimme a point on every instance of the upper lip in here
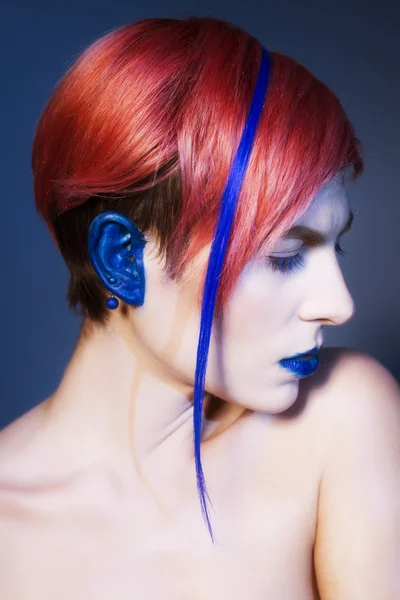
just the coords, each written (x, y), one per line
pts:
(314, 350)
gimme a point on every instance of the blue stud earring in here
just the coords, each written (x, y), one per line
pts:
(112, 303)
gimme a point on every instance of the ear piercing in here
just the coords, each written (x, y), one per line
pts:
(112, 303)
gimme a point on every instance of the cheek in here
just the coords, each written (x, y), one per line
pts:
(257, 310)
(244, 341)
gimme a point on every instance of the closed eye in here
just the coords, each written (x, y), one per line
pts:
(290, 263)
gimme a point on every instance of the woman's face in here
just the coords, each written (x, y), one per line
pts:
(270, 316)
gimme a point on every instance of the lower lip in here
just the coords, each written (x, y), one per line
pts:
(300, 367)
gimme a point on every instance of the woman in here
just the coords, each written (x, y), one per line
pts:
(194, 183)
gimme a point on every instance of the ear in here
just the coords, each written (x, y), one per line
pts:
(115, 246)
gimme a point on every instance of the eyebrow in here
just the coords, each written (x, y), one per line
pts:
(312, 237)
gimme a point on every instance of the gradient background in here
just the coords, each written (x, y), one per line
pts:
(351, 46)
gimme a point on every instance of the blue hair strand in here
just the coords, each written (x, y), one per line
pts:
(215, 263)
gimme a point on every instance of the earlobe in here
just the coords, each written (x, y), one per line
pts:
(115, 246)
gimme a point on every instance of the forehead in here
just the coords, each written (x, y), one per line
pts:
(329, 209)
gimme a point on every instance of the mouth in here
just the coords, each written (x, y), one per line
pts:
(303, 364)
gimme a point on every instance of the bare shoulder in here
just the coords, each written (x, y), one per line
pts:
(362, 411)
(22, 506)
(352, 379)
(15, 458)
(349, 387)
(24, 467)
(357, 548)
(18, 441)
(343, 373)
(34, 501)
(358, 362)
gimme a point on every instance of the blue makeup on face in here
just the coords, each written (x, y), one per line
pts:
(311, 238)
(289, 263)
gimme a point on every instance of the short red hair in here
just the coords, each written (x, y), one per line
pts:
(162, 98)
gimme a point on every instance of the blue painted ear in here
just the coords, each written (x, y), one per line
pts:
(115, 246)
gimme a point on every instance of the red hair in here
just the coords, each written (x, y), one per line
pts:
(165, 96)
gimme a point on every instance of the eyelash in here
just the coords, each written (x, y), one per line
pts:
(289, 263)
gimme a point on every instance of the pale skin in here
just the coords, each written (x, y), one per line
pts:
(98, 496)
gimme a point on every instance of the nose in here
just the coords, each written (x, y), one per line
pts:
(328, 299)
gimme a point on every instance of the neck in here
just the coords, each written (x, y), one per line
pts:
(116, 404)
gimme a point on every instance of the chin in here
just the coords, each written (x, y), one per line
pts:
(271, 401)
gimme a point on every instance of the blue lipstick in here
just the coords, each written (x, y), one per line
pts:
(302, 365)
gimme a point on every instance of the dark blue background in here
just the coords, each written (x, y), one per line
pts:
(352, 46)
